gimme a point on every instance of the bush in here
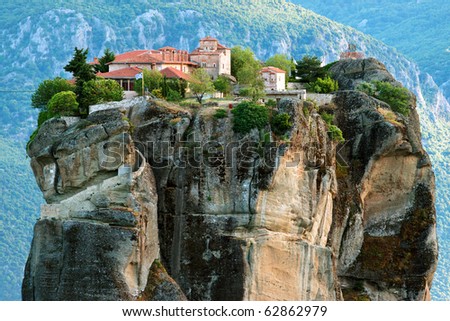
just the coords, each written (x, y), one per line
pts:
(271, 103)
(396, 97)
(220, 113)
(328, 118)
(223, 85)
(334, 131)
(249, 115)
(309, 68)
(173, 95)
(336, 134)
(157, 93)
(323, 86)
(97, 91)
(281, 123)
(43, 116)
(63, 104)
(47, 89)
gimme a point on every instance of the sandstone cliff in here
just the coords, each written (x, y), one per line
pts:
(231, 216)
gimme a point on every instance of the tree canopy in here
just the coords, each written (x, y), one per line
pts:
(153, 79)
(108, 56)
(309, 69)
(249, 115)
(283, 62)
(397, 97)
(47, 89)
(83, 72)
(323, 86)
(202, 84)
(79, 67)
(244, 65)
(97, 91)
(63, 104)
(223, 85)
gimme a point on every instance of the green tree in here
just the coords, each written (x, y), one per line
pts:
(281, 123)
(283, 62)
(309, 69)
(99, 90)
(202, 84)
(153, 79)
(256, 89)
(323, 86)
(249, 115)
(243, 64)
(63, 104)
(108, 56)
(47, 89)
(397, 97)
(83, 72)
(223, 85)
(173, 95)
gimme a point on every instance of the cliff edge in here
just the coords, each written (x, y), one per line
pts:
(148, 200)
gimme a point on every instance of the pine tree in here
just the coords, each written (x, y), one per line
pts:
(108, 56)
(83, 72)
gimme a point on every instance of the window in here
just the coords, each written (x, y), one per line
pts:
(214, 65)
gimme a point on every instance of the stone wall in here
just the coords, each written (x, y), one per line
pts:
(321, 99)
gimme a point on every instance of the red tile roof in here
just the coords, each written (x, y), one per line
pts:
(148, 56)
(170, 72)
(137, 56)
(220, 46)
(209, 38)
(126, 73)
(271, 69)
(168, 48)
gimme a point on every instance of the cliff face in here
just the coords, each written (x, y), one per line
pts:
(235, 217)
(384, 222)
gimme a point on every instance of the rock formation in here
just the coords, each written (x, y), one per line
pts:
(232, 216)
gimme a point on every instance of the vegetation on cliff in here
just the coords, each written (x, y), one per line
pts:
(397, 97)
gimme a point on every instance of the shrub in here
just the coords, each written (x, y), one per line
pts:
(271, 103)
(306, 111)
(244, 92)
(281, 123)
(157, 93)
(47, 89)
(223, 85)
(249, 115)
(328, 118)
(173, 95)
(335, 133)
(324, 86)
(43, 116)
(63, 104)
(396, 97)
(97, 91)
(220, 113)
(368, 88)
